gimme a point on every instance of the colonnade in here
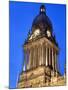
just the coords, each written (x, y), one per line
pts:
(41, 55)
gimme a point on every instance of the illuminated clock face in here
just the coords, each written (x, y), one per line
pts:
(37, 32)
(48, 33)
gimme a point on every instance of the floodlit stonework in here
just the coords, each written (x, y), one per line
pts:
(40, 56)
(39, 78)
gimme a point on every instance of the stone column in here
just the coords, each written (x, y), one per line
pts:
(36, 56)
(29, 63)
(52, 59)
(56, 64)
(27, 59)
(34, 62)
(49, 57)
(55, 60)
(40, 55)
(33, 57)
(46, 56)
(25, 56)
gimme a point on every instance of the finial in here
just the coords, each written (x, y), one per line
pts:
(42, 8)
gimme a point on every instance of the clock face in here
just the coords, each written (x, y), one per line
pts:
(37, 32)
(48, 33)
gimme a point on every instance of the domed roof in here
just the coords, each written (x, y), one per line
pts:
(42, 21)
(41, 24)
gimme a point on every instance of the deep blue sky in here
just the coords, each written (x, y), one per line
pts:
(21, 16)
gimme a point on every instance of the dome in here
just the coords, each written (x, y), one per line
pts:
(42, 21)
(41, 27)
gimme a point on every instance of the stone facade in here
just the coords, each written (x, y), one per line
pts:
(40, 77)
(40, 56)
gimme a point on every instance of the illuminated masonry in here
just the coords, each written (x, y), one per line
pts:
(41, 52)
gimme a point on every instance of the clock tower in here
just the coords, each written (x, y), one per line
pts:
(41, 52)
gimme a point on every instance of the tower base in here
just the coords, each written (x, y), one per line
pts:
(40, 77)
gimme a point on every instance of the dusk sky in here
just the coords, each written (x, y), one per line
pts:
(21, 15)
